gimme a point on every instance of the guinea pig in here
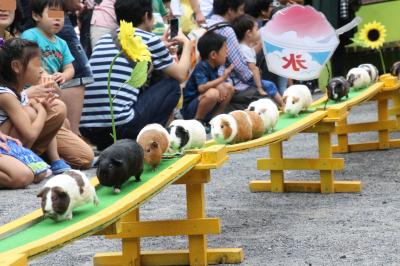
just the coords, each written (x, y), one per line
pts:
(186, 134)
(119, 162)
(358, 78)
(267, 110)
(296, 98)
(372, 71)
(337, 88)
(257, 124)
(395, 69)
(62, 193)
(229, 128)
(154, 140)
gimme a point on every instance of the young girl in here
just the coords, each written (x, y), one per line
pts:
(36, 121)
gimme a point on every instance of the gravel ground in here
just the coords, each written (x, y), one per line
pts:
(273, 229)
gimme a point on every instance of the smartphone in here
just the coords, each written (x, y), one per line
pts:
(174, 27)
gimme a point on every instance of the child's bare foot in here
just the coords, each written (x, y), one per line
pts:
(262, 92)
(40, 177)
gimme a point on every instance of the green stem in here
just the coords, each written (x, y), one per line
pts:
(110, 98)
(382, 61)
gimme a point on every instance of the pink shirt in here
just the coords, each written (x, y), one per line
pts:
(104, 14)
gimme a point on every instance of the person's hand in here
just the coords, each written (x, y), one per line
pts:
(48, 102)
(228, 71)
(200, 19)
(4, 138)
(42, 90)
(262, 92)
(59, 77)
(181, 38)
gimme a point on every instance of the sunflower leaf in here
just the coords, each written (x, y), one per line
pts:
(138, 75)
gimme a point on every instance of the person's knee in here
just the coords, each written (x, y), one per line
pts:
(60, 110)
(212, 95)
(22, 179)
(82, 159)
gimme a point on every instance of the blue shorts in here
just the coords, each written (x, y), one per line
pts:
(83, 73)
(189, 110)
(269, 87)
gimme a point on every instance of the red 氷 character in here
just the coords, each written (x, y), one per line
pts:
(295, 61)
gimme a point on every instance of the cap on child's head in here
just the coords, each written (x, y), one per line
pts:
(39, 5)
(209, 42)
(242, 24)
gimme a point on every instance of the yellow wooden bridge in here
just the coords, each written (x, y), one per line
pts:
(118, 215)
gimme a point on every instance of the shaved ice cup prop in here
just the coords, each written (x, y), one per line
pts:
(299, 40)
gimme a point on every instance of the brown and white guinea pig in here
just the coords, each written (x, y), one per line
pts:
(186, 134)
(297, 98)
(62, 193)
(372, 71)
(257, 124)
(154, 140)
(230, 128)
(267, 110)
(395, 69)
(337, 88)
(118, 162)
(358, 78)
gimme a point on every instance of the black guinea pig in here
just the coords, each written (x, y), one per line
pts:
(119, 162)
(337, 88)
(395, 70)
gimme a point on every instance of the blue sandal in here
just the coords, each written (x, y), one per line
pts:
(59, 167)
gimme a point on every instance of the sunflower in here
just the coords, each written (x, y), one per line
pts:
(133, 46)
(373, 35)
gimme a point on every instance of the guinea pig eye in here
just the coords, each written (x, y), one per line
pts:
(148, 150)
(292, 102)
(222, 126)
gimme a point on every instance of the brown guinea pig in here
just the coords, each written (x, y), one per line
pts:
(257, 124)
(155, 141)
(244, 128)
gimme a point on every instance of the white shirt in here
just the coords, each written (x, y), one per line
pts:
(206, 7)
(248, 53)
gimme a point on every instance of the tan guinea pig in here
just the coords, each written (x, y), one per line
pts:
(154, 140)
(230, 129)
(257, 124)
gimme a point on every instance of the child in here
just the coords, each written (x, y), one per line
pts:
(246, 29)
(56, 56)
(34, 122)
(206, 94)
(259, 9)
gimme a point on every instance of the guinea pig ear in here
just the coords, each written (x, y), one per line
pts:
(154, 145)
(252, 108)
(43, 192)
(116, 161)
(295, 99)
(60, 192)
(263, 110)
(284, 98)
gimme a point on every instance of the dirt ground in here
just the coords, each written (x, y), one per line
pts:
(272, 228)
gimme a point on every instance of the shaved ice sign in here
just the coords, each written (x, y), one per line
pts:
(298, 42)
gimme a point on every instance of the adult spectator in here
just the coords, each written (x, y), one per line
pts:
(225, 11)
(133, 107)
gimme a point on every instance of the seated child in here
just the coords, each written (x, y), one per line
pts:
(246, 30)
(206, 94)
(56, 56)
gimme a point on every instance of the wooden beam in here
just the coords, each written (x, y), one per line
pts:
(306, 186)
(369, 146)
(169, 228)
(173, 257)
(195, 177)
(300, 164)
(365, 127)
(277, 176)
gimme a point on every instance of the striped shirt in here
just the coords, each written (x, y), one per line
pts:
(23, 100)
(96, 110)
(241, 75)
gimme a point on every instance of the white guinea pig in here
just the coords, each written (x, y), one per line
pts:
(268, 112)
(62, 193)
(372, 71)
(186, 134)
(358, 78)
(297, 98)
(229, 128)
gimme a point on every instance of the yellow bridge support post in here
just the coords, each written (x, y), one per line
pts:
(196, 226)
(325, 164)
(383, 125)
